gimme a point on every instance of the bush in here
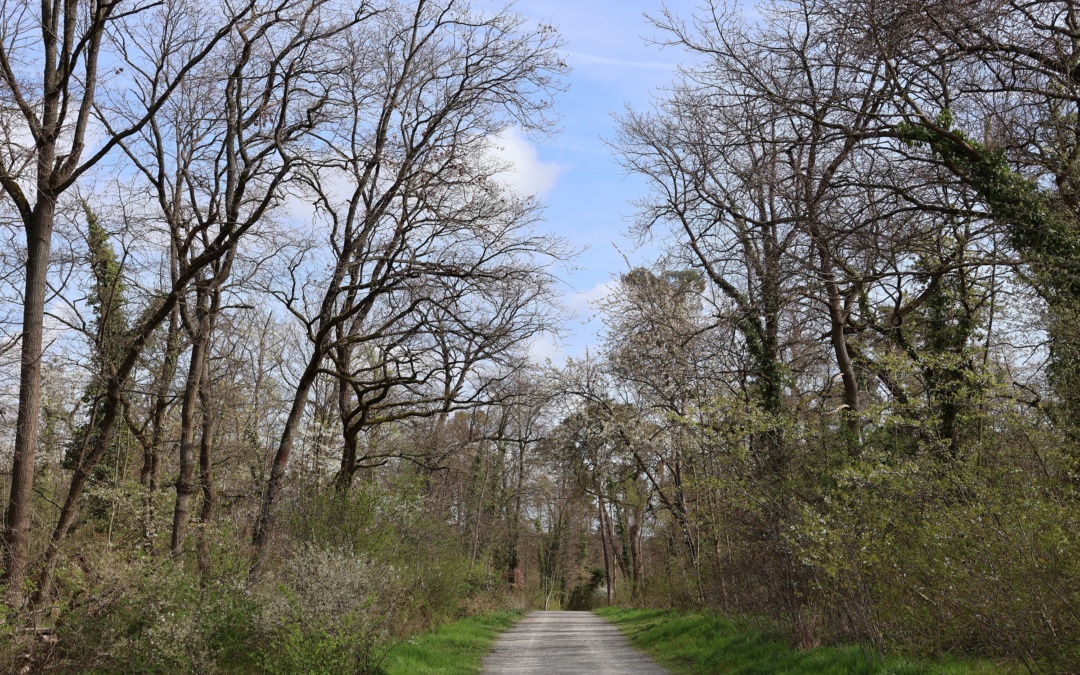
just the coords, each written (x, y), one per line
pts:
(330, 611)
(161, 620)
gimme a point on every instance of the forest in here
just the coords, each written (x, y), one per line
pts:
(269, 399)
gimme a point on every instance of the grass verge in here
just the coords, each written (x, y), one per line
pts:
(692, 643)
(457, 648)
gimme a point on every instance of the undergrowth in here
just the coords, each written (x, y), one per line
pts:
(456, 648)
(692, 643)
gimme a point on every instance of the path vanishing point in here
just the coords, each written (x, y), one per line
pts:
(566, 643)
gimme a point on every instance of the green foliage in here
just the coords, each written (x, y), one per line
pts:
(457, 648)
(960, 558)
(107, 297)
(1017, 200)
(584, 596)
(901, 544)
(107, 301)
(329, 612)
(1042, 227)
(388, 526)
(163, 621)
(711, 643)
(319, 608)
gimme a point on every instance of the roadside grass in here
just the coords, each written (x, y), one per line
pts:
(456, 648)
(698, 643)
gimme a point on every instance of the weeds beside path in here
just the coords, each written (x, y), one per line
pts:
(693, 643)
(457, 648)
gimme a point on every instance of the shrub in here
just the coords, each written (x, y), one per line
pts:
(329, 611)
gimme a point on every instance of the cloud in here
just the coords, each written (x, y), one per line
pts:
(586, 307)
(577, 341)
(597, 59)
(545, 348)
(527, 173)
(590, 300)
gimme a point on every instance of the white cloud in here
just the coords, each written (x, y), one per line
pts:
(590, 300)
(601, 60)
(546, 348)
(528, 174)
(584, 327)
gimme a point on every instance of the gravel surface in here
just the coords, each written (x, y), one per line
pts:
(554, 643)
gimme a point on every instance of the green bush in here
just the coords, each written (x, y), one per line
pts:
(329, 611)
(162, 621)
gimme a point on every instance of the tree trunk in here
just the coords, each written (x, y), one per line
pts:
(264, 522)
(16, 540)
(837, 322)
(637, 562)
(619, 544)
(609, 576)
(206, 474)
(185, 483)
(517, 577)
(150, 472)
(350, 443)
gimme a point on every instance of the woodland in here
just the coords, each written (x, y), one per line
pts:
(268, 399)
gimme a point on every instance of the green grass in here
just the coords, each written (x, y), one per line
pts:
(693, 643)
(457, 648)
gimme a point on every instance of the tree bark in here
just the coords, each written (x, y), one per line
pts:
(517, 577)
(16, 541)
(206, 474)
(185, 482)
(150, 472)
(264, 522)
(609, 576)
(838, 338)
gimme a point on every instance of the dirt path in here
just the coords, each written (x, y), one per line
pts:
(558, 643)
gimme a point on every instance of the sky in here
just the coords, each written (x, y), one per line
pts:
(587, 195)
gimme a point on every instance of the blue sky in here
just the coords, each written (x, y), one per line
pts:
(586, 193)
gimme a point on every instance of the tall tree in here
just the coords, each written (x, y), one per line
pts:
(252, 159)
(404, 183)
(50, 58)
(992, 91)
(107, 302)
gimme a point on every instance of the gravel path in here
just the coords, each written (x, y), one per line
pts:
(570, 643)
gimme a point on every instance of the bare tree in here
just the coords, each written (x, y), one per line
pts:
(217, 158)
(252, 160)
(457, 339)
(49, 70)
(404, 184)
